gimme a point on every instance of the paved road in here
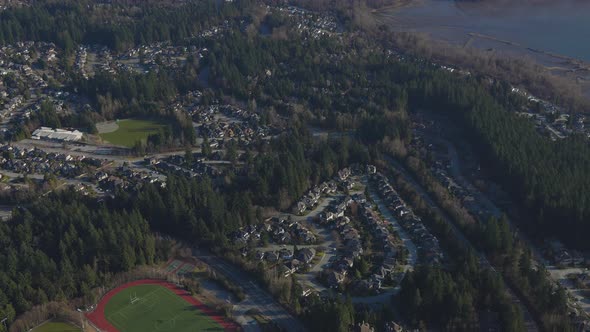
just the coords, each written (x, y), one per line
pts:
(426, 197)
(481, 198)
(64, 181)
(256, 297)
(530, 324)
(217, 291)
(309, 279)
(97, 151)
(407, 241)
(385, 296)
(554, 273)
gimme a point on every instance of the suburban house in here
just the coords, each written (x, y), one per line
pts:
(306, 255)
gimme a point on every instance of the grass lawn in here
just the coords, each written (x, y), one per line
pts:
(56, 327)
(158, 309)
(131, 131)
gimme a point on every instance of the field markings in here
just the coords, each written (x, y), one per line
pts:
(183, 303)
(172, 314)
(121, 312)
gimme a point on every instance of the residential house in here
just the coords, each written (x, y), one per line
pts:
(363, 327)
(291, 267)
(305, 292)
(271, 256)
(259, 255)
(393, 327)
(285, 253)
(343, 174)
(335, 279)
(306, 255)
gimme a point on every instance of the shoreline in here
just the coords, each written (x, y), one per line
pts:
(573, 70)
(397, 5)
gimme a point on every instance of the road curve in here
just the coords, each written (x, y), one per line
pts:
(530, 324)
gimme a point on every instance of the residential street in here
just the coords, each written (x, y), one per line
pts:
(530, 323)
(407, 241)
(385, 297)
(556, 274)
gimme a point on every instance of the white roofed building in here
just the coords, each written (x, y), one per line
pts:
(57, 134)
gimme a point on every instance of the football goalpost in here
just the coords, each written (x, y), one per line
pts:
(133, 298)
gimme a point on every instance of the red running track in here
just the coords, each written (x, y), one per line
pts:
(97, 317)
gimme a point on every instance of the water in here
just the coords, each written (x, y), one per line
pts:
(559, 26)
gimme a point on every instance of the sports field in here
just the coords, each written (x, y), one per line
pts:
(155, 306)
(56, 327)
(129, 131)
(156, 309)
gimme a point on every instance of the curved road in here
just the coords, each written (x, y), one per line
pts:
(530, 324)
(309, 278)
(492, 208)
(481, 198)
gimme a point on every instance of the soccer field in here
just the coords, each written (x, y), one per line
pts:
(56, 327)
(156, 309)
(130, 131)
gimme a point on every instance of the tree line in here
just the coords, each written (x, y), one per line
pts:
(69, 23)
(62, 246)
(140, 95)
(459, 294)
(548, 177)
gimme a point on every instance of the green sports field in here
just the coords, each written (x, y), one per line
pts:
(157, 309)
(56, 327)
(130, 131)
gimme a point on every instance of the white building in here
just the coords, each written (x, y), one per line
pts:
(57, 134)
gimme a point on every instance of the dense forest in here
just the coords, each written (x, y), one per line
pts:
(88, 241)
(510, 144)
(464, 294)
(548, 302)
(548, 177)
(334, 84)
(141, 95)
(309, 73)
(283, 171)
(69, 23)
(85, 243)
(431, 296)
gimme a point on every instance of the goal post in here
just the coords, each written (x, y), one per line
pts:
(133, 298)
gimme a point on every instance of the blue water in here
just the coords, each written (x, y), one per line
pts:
(559, 26)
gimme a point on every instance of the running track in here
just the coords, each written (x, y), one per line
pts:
(97, 317)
